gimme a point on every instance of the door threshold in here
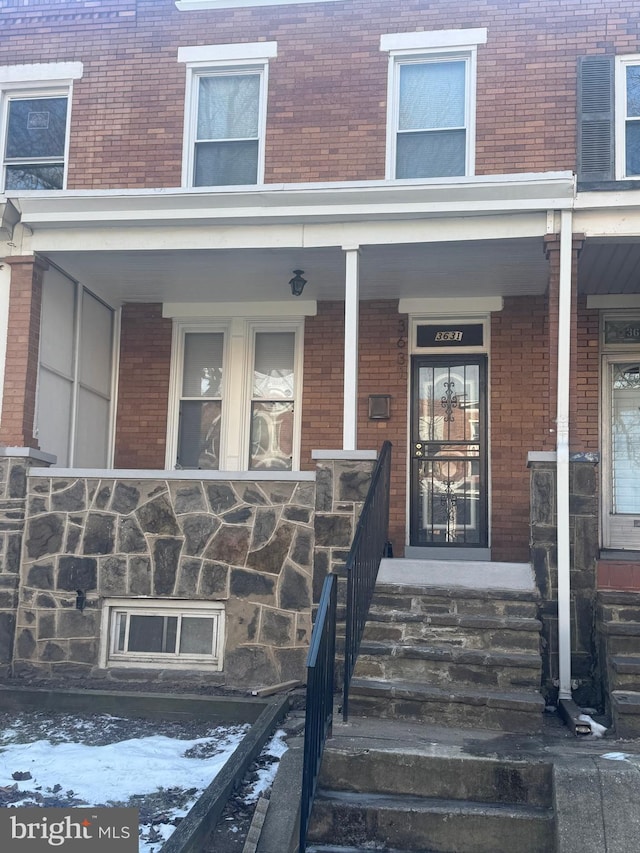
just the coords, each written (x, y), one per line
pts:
(416, 552)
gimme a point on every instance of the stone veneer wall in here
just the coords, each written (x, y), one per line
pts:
(248, 543)
(583, 509)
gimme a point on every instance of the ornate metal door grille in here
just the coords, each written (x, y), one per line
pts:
(448, 466)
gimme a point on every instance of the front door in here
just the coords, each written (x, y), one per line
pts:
(449, 452)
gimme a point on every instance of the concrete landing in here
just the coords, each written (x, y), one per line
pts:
(464, 573)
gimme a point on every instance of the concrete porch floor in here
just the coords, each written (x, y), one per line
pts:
(464, 573)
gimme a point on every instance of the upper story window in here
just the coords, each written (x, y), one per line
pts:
(34, 120)
(225, 113)
(628, 117)
(431, 103)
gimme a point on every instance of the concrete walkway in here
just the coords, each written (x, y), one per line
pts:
(466, 573)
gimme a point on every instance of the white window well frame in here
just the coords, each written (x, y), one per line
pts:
(238, 365)
(114, 609)
(621, 118)
(40, 80)
(421, 48)
(223, 59)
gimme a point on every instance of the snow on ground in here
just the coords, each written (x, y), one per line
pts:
(73, 761)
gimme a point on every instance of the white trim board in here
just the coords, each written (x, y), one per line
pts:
(211, 310)
(432, 40)
(481, 305)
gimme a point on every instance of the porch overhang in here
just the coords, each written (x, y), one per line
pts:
(9, 218)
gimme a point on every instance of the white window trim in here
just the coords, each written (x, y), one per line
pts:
(208, 60)
(109, 657)
(43, 79)
(198, 5)
(238, 350)
(622, 62)
(433, 46)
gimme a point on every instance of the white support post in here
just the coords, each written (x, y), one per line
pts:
(562, 456)
(351, 307)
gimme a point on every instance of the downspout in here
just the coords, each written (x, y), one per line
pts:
(351, 322)
(562, 456)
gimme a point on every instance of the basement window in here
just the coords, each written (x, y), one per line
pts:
(160, 634)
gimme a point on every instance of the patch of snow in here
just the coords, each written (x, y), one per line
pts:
(596, 729)
(615, 756)
(275, 749)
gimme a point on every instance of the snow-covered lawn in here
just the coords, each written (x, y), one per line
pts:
(161, 768)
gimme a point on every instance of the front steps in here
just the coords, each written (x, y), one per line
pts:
(451, 656)
(618, 615)
(401, 801)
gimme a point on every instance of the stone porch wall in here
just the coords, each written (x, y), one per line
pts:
(583, 509)
(248, 543)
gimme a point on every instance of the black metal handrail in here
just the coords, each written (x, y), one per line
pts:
(363, 562)
(320, 687)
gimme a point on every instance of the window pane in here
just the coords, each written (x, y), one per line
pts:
(36, 128)
(152, 634)
(199, 434)
(432, 95)
(273, 367)
(271, 436)
(202, 369)
(32, 177)
(633, 148)
(228, 106)
(121, 628)
(196, 636)
(226, 163)
(437, 154)
(625, 434)
(633, 90)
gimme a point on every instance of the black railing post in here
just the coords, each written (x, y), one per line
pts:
(319, 708)
(370, 543)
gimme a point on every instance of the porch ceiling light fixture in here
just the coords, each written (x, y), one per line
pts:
(297, 283)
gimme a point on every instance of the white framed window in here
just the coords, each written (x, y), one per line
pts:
(431, 103)
(35, 105)
(147, 633)
(225, 114)
(627, 111)
(234, 395)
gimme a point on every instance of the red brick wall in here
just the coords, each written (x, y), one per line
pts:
(383, 369)
(327, 86)
(23, 342)
(520, 418)
(586, 380)
(143, 387)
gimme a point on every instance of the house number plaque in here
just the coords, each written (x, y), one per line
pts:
(453, 335)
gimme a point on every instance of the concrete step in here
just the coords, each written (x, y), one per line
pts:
(624, 672)
(421, 823)
(474, 630)
(618, 607)
(625, 710)
(621, 638)
(456, 600)
(448, 667)
(440, 774)
(503, 710)
(331, 848)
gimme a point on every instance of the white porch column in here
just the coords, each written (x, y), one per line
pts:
(562, 457)
(351, 305)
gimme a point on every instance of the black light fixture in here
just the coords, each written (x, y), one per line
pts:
(297, 283)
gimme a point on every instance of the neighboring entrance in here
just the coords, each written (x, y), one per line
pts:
(448, 452)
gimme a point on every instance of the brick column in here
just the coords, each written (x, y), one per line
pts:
(23, 342)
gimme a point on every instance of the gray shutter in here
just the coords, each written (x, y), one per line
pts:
(596, 118)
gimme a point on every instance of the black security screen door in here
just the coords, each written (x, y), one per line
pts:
(448, 452)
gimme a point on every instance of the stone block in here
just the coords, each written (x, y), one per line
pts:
(239, 515)
(297, 513)
(221, 497)
(72, 499)
(333, 531)
(7, 630)
(543, 496)
(188, 578)
(584, 505)
(353, 481)
(305, 495)
(99, 534)
(43, 599)
(188, 497)
(320, 571)
(253, 494)
(26, 644)
(250, 666)
(40, 576)
(77, 573)
(166, 554)
(83, 651)
(46, 625)
(13, 553)
(130, 537)
(277, 628)
(254, 585)
(302, 551)
(73, 539)
(294, 589)
(44, 535)
(324, 488)
(73, 623)
(37, 505)
(242, 623)
(139, 576)
(291, 664)
(157, 517)
(214, 580)
(583, 478)
(126, 498)
(113, 576)
(103, 496)
(272, 556)
(229, 545)
(263, 527)
(52, 652)
(17, 484)
(198, 530)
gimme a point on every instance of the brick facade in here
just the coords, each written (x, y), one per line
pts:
(327, 86)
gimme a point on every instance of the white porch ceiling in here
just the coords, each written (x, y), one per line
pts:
(508, 267)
